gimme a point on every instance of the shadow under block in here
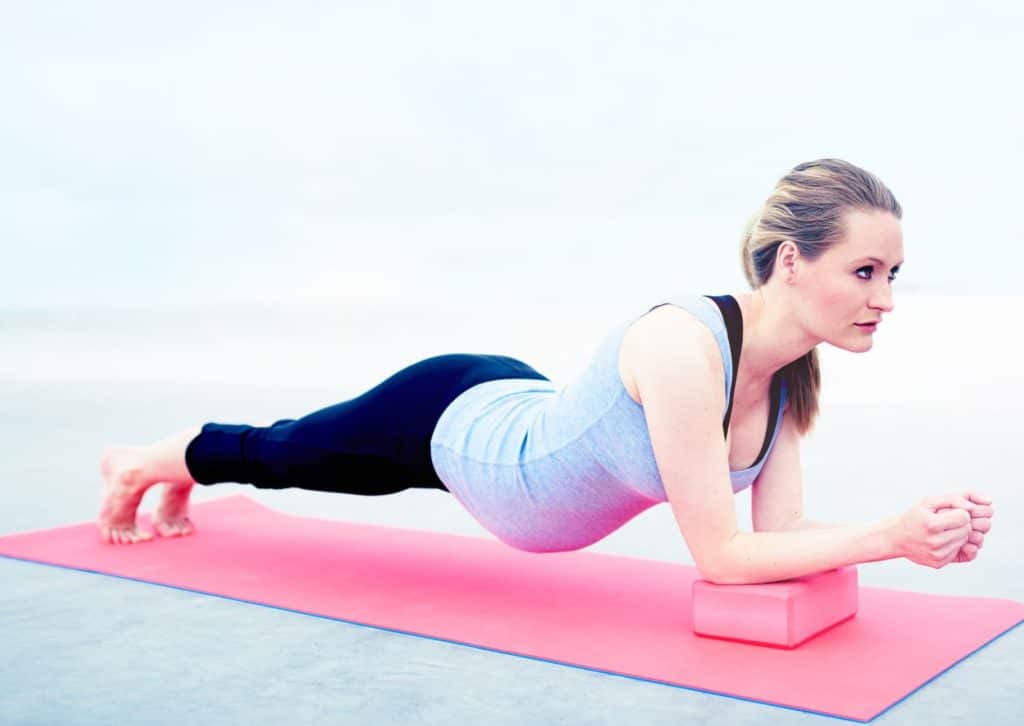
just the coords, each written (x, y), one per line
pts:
(782, 614)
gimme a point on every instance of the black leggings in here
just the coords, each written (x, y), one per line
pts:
(376, 443)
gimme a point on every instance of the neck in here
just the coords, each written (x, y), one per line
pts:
(772, 337)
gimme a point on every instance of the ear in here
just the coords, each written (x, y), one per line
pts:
(786, 259)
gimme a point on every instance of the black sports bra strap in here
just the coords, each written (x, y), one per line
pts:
(734, 326)
(776, 398)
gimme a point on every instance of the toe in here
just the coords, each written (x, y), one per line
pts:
(176, 528)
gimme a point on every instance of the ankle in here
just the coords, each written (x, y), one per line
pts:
(165, 459)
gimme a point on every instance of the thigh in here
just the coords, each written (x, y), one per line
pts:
(379, 442)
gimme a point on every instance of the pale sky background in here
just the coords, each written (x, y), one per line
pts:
(511, 163)
(196, 152)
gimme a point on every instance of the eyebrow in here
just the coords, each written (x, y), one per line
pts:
(882, 262)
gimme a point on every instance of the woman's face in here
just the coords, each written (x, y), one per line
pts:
(851, 283)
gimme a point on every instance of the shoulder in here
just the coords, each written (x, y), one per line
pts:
(670, 342)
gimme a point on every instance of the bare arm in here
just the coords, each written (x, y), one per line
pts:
(681, 386)
(801, 524)
(785, 544)
(751, 557)
(930, 533)
(777, 509)
(777, 496)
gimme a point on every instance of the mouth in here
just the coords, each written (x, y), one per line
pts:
(867, 326)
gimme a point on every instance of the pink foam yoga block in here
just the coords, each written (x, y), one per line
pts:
(783, 614)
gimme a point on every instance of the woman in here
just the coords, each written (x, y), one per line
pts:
(548, 468)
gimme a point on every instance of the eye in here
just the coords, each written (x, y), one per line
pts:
(871, 269)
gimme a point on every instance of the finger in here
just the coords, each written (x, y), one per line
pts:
(953, 504)
(982, 524)
(936, 510)
(956, 556)
(950, 500)
(981, 510)
(949, 541)
(947, 555)
(970, 551)
(976, 497)
(975, 538)
(949, 519)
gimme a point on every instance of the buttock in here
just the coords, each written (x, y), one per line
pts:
(405, 408)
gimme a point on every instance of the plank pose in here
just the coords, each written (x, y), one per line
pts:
(668, 410)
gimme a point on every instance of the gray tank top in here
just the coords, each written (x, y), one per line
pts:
(548, 468)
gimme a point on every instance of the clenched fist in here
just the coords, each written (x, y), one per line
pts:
(933, 531)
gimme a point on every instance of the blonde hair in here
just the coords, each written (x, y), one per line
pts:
(807, 207)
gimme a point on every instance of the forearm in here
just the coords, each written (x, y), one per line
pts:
(753, 557)
(799, 524)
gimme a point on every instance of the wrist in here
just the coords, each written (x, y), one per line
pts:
(890, 541)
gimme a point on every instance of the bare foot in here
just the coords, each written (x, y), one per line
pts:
(124, 487)
(171, 517)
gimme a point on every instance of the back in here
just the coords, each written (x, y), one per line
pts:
(547, 467)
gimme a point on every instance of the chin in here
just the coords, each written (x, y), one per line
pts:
(862, 346)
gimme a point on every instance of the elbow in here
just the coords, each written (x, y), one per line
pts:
(714, 570)
(720, 576)
(721, 568)
(727, 576)
(711, 576)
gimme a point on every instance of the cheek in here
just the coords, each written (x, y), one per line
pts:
(834, 303)
(841, 293)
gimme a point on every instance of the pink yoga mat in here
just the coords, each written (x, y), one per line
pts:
(610, 613)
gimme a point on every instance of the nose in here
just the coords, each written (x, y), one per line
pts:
(882, 300)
